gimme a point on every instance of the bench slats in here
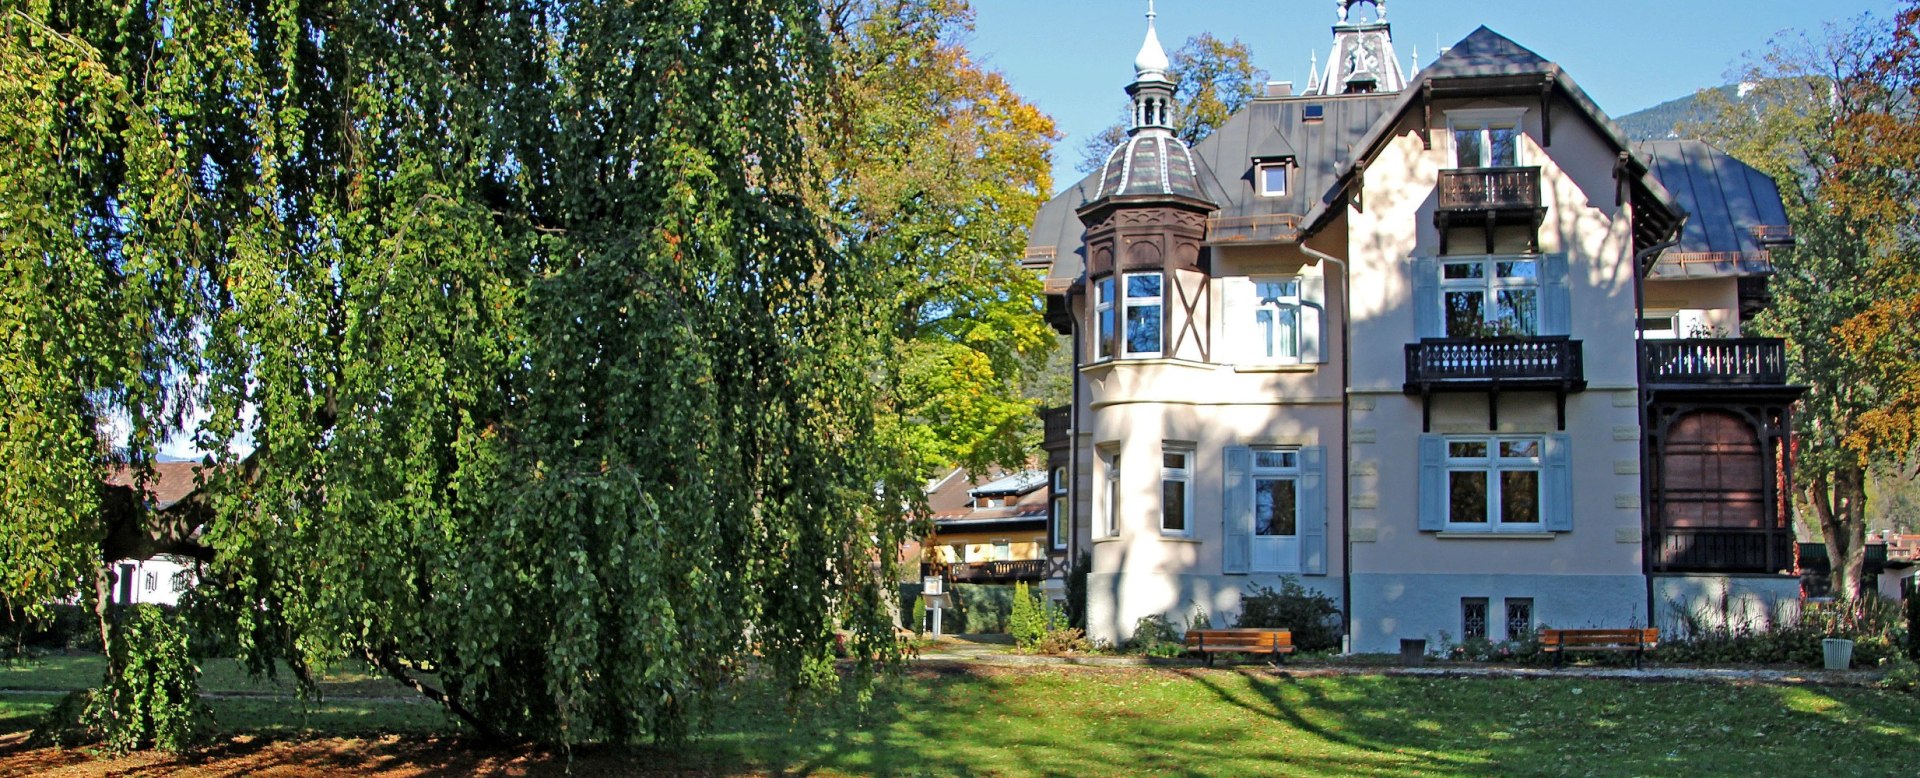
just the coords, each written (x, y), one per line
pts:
(1560, 641)
(1208, 642)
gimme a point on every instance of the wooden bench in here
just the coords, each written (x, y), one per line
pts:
(1276, 643)
(1559, 642)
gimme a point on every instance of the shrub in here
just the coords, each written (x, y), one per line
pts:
(978, 607)
(152, 694)
(1028, 620)
(1155, 636)
(69, 627)
(1871, 623)
(1063, 640)
(1312, 617)
(919, 615)
(1902, 675)
(1077, 590)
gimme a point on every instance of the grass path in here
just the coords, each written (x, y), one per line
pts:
(975, 720)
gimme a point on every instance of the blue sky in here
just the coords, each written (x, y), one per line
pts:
(1073, 57)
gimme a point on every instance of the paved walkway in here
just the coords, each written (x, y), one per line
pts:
(993, 650)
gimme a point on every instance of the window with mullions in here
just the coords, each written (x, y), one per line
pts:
(1490, 296)
(1062, 508)
(1276, 319)
(1276, 510)
(1486, 144)
(1176, 494)
(1143, 305)
(1493, 483)
(1103, 318)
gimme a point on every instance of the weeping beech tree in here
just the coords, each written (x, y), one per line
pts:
(533, 378)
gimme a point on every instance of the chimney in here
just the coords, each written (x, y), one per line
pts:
(1279, 89)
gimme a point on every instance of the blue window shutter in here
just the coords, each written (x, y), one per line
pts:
(1556, 299)
(1237, 551)
(1313, 510)
(1556, 498)
(1433, 483)
(1427, 320)
(1313, 318)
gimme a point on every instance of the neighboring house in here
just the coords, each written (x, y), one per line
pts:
(1446, 347)
(162, 578)
(994, 532)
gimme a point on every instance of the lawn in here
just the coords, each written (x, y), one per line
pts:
(953, 720)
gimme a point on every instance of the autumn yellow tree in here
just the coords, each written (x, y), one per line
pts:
(1830, 117)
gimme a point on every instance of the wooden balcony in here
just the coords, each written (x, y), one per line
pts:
(1716, 362)
(1490, 189)
(1492, 365)
(1713, 550)
(1488, 197)
(1028, 570)
(1268, 228)
(1056, 426)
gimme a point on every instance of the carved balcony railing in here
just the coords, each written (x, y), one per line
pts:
(1707, 550)
(1490, 189)
(1055, 425)
(1742, 361)
(1489, 360)
(991, 572)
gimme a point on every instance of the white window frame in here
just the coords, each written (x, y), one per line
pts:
(1260, 181)
(1059, 499)
(1182, 475)
(1287, 470)
(1106, 319)
(1128, 304)
(1490, 284)
(1286, 298)
(1486, 120)
(1110, 496)
(1493, 464)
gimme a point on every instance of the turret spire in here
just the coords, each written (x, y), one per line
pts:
(1151, 90)
(1151, 63)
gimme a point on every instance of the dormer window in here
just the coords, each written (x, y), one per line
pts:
(1271, 177)
(1313, 113)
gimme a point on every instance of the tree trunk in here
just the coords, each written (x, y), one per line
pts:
(1839, 499)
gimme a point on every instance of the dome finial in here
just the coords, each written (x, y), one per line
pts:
(1151, 63)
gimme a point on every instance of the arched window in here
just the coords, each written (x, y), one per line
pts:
(1714, 473)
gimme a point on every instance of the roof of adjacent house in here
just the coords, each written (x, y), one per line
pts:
(1735, 212)
(170, 482)
(952, 500)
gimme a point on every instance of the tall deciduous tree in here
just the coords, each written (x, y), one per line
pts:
(1213, 80)
(1824, 114)
(536, 377)
(937, 169)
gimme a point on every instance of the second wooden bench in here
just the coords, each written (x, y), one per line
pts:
(1276, 643)
(1560, 641)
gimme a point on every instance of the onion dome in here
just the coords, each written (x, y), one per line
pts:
(1151, 161)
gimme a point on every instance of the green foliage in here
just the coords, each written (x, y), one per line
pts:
(536, 371)
(1213, 80)
(1077, 590)
(1902, 675)
(1874, 626)
(979, 608)
(1912, 604)
(1199, 619)
(61, 627)
(1028, 621)
(1154, 635)
(151, 697)
(937, 168)
(1829, 117)
(1311, 616)
(919, 617)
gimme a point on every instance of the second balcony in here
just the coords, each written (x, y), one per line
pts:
(1488, 198)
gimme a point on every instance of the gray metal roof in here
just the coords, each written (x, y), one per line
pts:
(1270, 128)
(1735, 210)
(1017, 483)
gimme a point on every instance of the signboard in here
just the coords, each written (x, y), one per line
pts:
(933, 585)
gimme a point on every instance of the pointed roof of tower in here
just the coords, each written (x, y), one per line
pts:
(1151, 63)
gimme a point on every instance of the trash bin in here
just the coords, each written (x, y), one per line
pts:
(1839, 653)
(1413, 651)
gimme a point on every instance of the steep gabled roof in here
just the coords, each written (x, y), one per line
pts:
(1486, 61)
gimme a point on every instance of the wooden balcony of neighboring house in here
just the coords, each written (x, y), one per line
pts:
(998, 572)
(1492, 365)
(1262, 228)
(1489, 197)
(1723, 550)
(1715, 362)
(1056, 426)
